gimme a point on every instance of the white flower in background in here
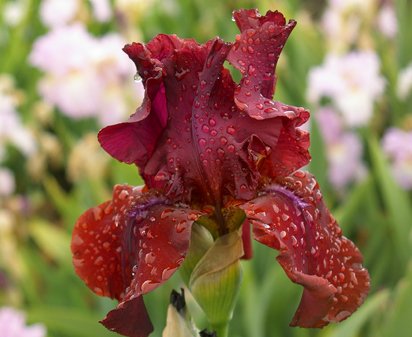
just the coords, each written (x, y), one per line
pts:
(352, 82)
(7, 182)
(14, 11)
(343, 150)
(63, 49)
(342, 21)
(102, 10)
(397, 144)
(12, 130)
(85, 76)
(12, 324)
(387, 22)
(404, 86)
(55, 13)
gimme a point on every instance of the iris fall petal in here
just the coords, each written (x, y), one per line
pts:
(128, 246)
(290, 216)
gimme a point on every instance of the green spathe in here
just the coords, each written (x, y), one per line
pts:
(200, 242)
(216, 279)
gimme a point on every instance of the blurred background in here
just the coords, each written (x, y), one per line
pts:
(63, 76)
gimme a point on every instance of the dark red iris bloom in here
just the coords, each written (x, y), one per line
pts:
(204, 143)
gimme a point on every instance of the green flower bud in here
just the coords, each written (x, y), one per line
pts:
(200, 242)
(215, 280)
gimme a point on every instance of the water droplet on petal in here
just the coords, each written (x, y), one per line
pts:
(231, 148)
(99, 261)
(165, 213)
(220, 152)
(202, 142)
(167, 273)
(223, 140)
(212, 122)
(137, 78)
(192, 216)
(147, 286)
(180, 74)
(150, 258)
(181, 226)
(230, 130)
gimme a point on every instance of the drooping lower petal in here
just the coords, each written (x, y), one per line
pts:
(130, 318)
(290, 216)
(128, 246)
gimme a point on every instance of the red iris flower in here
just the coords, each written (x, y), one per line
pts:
(203, 144)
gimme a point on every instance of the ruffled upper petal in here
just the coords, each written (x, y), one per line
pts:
(255, 54)
(291, 217)
(128, 246)
(196, 126)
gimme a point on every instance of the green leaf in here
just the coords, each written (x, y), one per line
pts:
(69, 322)
(353, 202)
(396, 203)
(52, 240)
(318, 165)
(398, 318)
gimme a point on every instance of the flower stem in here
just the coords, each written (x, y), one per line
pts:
(222, 329)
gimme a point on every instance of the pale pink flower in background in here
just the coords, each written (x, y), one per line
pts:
(102, 10)
(55, 13)
(397, 144)
(7, 182)
(342, 20)
(404, 85)
(12, 324)
(344, 150)
(63, 49)
(85, 76)
(12, 131)
(76, 94)
(387, 22)
(353, 83)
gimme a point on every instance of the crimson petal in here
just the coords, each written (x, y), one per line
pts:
(255, 54)
(192, 131)
(291, 217)
(128, 246)
(130, 318)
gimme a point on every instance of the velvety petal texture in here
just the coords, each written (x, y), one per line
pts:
(206, 145)
(128, 246)
(290, 216)
(197, 127)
